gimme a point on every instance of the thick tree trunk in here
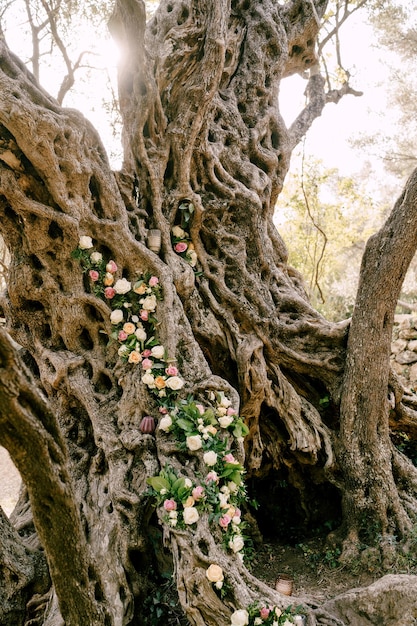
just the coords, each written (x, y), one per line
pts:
(371, 466)
(206, 153)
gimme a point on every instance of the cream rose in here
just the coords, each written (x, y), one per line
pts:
(175, 383)
(190, 515)
(140, 334)
(116, 316)
(96, 257)
(177, 231)
(158, 352)
(129, 328)
(189, 502)
(85, 243)
(194, 442)
(214, 573)
(135, 357)
(210, 458)
(225, 402)
(149, 303)
(225, 421)
(165, 423)
(239, 618)
(122, 286)
(148, 380)
(236, 543)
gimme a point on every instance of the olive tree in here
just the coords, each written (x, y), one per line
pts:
(140, 383)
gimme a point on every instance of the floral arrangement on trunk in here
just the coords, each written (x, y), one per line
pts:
(209, 429)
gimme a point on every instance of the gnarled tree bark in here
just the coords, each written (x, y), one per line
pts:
(199, 99)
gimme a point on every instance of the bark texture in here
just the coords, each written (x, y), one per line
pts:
(203, 138)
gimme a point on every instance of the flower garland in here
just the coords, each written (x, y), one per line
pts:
(220, 491)
(133, 318)
(180, 238)
(257, 615)
(211, 429)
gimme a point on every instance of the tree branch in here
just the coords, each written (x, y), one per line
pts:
(30, 432)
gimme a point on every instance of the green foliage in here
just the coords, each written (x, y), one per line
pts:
(162, 606)
(325, 219)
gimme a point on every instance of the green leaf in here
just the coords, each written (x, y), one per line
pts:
(158, 483)
(184, 424)
(177, 484)
(236, 477)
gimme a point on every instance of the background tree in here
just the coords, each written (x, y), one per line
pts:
(205, 156)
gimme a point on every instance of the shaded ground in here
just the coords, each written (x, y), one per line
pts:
(313, 567)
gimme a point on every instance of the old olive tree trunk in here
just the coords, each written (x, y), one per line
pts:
(103, 331)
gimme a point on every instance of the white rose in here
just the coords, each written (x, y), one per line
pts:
(236, 520)
(165, 423)
(225, 402)
(177, 231)
(149, 303)
(210, 458)
(219, 584)
(194, 442)
(96, 257)
(240, 618)
(116, 316)
(225, 421)
(223, 498)
(221, 410)
(233, 488)
(148, 380)
(214, 573)
(190, 515)
(158, 352)
(192, 257)
(140, 334)
(188, 483)
(85, 243)
(236, 543)
(122, 286)
(175, 383)
(258, 621)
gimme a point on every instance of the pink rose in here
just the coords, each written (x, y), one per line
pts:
(154, 280)
(200, 408)
(198, 492)
(94, 275)
(229, 458)
(264, 612)
(109, 293)
(163, 410)
(170, 505)
(122, 336)
(238, 513)
(146, 353)
(211, 476)
(225, 520)
(144, 315)
(111, 267)
(231, 411)
(171, 370)
(147, 364)
(180, 247)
